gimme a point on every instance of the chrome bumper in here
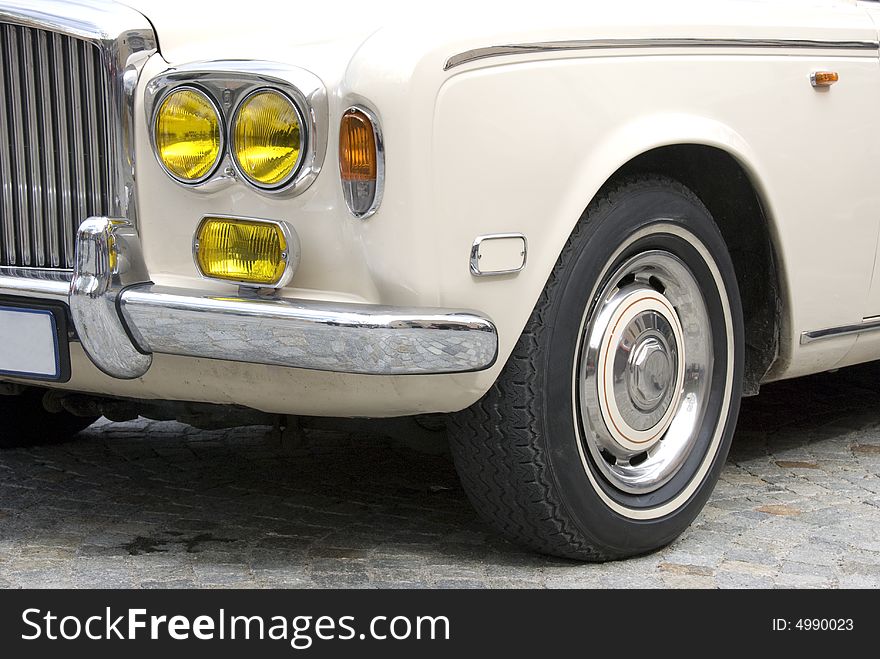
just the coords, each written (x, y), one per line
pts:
(121, 318)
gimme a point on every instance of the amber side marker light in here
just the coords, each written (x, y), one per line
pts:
(361, 165)
(250, 252)
(823, 78)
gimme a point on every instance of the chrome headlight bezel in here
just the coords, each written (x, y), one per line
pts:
(230, 83)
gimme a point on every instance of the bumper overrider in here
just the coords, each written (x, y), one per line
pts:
(122, 318)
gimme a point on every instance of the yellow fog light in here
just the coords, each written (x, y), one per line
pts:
(187, 135)
(254, 252)
(267, 135)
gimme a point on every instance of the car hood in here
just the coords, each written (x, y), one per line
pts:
(334, 30)
(257, 29)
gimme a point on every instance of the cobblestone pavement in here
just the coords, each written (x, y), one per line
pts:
(150, 504)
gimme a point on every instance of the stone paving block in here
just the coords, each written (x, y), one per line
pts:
(789, 580)
(859, 581)
(163, 505)
(738, 580)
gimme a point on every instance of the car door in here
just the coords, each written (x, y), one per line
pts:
(872, 308)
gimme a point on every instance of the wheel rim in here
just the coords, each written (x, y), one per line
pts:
(644, 372)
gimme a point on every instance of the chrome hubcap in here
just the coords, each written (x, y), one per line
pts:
(639, 367)
(649, 373)
(644, 372)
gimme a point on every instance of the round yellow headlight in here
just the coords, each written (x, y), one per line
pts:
(188, 135)
(267, 138)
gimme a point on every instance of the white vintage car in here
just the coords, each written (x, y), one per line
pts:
(584, 229)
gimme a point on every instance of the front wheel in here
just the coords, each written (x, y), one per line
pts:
(608, 427)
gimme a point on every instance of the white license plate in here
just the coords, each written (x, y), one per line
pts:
(29, 343)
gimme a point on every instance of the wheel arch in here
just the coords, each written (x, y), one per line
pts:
(728, 190)
(571, 162)
(719, 166)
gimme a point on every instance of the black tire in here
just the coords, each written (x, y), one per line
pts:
(26, 422)
(520, 451)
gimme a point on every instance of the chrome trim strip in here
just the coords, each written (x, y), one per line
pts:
(349, 338)
(291, 256)
(34, 282)
(475, 254)
(867, 325)
(108, 258)
(229, 82)
(609, 44)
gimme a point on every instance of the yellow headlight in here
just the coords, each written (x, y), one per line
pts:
(188, 135)
(240, 250)
(267, 138)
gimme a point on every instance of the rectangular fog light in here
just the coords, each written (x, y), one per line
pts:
(250, 252)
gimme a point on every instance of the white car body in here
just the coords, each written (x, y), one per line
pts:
(481, 141)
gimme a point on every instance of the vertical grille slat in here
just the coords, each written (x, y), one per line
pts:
(33, 150)
(50, 189)
(7, 207)
(75, 126)
(91, 114)
(19, 174)
(62, 158)
(54, 144)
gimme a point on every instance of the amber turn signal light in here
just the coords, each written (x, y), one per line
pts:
(360, 161)
(824, 78)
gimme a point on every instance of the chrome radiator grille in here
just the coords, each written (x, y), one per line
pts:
(54, 144)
